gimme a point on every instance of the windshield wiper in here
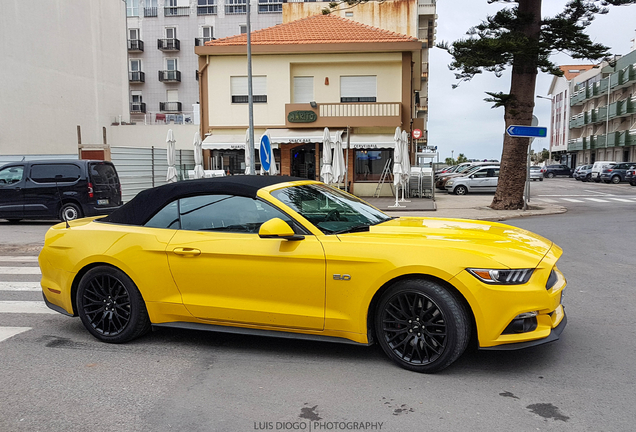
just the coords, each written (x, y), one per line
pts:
(355, 228)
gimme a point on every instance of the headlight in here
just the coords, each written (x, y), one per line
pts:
(449, 183)
(502, 277)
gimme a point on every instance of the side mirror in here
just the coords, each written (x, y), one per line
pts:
(278, 228)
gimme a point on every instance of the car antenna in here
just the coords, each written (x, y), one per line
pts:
(59, 176)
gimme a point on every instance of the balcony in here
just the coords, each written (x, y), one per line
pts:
(136, 77)
(170, 76)
(375, 114)
(578, 97)
(202, 40)
(612, 139)
(577, 121)
(169, 44)
(575, 144)
(600, 87)
(135, 45)
(138, 108)
(425, 7)
(236, 9)
(150, 12)
(170, 106)
(172, 11)
(598, 115)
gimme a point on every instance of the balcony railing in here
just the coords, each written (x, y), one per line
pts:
(374, 114)
(235, 9)
(169, 44)
(170, 106)
(170, 76)
(138, 107)
(150, 12)
(171, 11)
(135, 45)
(136, 77)
(202, 40)
(206, 10)
(575, 144)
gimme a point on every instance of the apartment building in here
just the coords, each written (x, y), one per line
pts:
(603, 113)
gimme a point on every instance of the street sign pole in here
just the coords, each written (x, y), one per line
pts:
(535, 122)
(250, 95)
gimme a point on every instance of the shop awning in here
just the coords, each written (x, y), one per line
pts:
(230, 142)
(358, 141)
(370, 141)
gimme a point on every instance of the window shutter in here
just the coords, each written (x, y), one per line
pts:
(358, 86)
(303, 89)
(239, 85)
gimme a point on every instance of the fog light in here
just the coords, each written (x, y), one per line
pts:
(522, 323)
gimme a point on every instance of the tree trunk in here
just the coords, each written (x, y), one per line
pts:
(518, 111)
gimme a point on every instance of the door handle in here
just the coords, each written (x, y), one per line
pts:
(186, 251)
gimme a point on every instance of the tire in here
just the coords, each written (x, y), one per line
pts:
(632, 182)
(70, 211)
(460, 190)
(426, 348)
(597, 180)
(98, 292)
(616, 179)
(550, 175)
(541, 179)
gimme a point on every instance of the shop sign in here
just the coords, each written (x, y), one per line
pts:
(302, 117)
(365, 146)
(300, 140)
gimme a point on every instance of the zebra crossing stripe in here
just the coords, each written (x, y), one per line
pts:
(8, 332)
(26, 258)
(25, 307)
(622, 200)
(20, 271)
(20, 286)
(548, 200)
(596, 200)
(573, 200)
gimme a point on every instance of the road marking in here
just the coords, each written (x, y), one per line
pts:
(573, 200)
(25, 307)
(20, 286)
(20, 270)
(7, 332)
(622, 200)
(596, 200)
(29, 258)
(548, 200)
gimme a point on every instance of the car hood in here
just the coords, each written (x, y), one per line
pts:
(509, 246)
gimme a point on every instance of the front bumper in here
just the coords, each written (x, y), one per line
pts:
(554, 336)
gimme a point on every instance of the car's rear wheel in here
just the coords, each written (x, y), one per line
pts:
(541, 179)
(616, 179)
(421, 326)
(550, 175)
(460, 190)
(70, 211)
(110, 305)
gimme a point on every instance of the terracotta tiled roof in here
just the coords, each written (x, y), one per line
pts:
(316, 29)
(571, 71)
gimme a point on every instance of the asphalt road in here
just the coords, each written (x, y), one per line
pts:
(56, 377)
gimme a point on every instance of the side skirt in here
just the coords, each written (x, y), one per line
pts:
(258, 332)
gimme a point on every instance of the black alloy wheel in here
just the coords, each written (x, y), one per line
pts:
(110, 305)
(421, 326)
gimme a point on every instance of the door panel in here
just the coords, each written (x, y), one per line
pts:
(242, 278)
(12, 192)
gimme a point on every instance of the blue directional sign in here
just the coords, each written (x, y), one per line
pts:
(265, 153)
(527, 131)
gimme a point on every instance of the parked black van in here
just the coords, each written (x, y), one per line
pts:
(58, 189)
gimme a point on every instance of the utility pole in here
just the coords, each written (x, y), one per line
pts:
(250, 95)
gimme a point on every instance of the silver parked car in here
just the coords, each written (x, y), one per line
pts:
(535, 173)
(482, 180)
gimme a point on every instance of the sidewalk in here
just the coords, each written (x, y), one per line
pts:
(471, 206)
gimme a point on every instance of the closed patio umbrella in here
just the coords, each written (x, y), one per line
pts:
(325, 171)
(406, 163)
(198, 156)
(248, 156)
(397, 163)
(338, 162)
(171, 176)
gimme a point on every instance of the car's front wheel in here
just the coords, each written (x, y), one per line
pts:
(110, 305)
(421, 326)
(70, 211)
(460, 190)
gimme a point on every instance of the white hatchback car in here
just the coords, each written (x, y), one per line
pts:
(483, 180)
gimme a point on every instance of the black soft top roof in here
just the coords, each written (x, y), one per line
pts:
(148, 202)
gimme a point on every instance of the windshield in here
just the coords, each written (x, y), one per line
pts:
(330, 209)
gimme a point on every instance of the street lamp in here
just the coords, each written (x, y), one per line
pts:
(551, 99)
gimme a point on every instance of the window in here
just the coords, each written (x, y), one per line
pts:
(172, 95)
(133, 34)
(132, 8)
(243, 28)
(370, 163)
(239, 89)
(50, 173)
(11, 175)
(303, 89)
(206, 7)
(225, 213)
(171, 64)
(358, 88)
(171, 32)
(136, 100)
(207, 33)
(235, 7)
(270, 6)
(135, 65)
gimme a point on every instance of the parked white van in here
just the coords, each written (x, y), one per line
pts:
(598, 168)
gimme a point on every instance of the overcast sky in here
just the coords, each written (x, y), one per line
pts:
(459, 118)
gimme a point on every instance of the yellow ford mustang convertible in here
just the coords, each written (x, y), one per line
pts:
(280, 256)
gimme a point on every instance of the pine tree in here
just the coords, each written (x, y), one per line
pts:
(517, 37)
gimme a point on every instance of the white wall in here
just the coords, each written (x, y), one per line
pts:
(141, 136)
(64, 65)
